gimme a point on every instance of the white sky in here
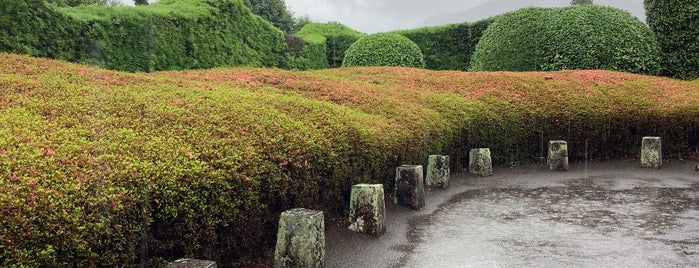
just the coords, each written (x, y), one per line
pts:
(370, 16)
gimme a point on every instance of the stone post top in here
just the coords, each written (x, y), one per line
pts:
(366, 185)
(557, 141)
(303, 212)
(651, 138)
(438, 155)
(479, 149)
(191, 263)
(411, 166)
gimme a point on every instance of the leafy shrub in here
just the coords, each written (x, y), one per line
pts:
(337, 37)
(384, 49)
(103, 168)
(447, 47)
(167, 35)
(676, 27)
(578, 37)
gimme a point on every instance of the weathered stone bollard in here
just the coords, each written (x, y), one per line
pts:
(410, 187)
(558, 156)
(368, 209)
(438, 171)
(191, 263)
(300, 239)
(480, 162)
(651, 152)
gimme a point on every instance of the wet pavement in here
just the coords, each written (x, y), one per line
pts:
(606, 214)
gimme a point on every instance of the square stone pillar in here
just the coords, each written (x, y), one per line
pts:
(558, 156)
(410, 187)
(368, 209)
(651, 153)
(480, 162)
(300, 239)
(438, 171)
(191, 263)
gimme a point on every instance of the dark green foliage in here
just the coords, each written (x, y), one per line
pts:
(306, 53)
(167, 35)
(447, 47)
(337, 37)
(141, 2)
(384, 49)
(274, 11)
(75, 3)
(578, 37)
(581, 2)
(676, 27)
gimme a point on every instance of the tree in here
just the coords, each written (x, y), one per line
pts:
(74, 3)
(676, 27)
(274, 11)
(141, 2)
(581, 2)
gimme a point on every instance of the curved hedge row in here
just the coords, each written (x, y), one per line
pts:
(101, 168)
(167, 35)
(577, 37)
(384, 49)
(676, 26)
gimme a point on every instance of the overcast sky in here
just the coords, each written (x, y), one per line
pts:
(370, 16)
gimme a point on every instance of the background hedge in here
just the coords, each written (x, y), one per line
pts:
(338, 38)
(167, 35)
(676, 26)
(577, 37)
(103, 168)
(384, 49)
(448, 47)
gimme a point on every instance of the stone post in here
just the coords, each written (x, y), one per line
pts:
(410, 187)
(300, 239)
(651, 153)
(368, 209)
(558, 156)
(438, 171)
(479, 162)
(191, 263)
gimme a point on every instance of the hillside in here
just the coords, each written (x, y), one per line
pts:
(113, 168)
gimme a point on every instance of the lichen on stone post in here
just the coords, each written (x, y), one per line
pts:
(558, 155)
(409, 188)
(651, 152)
(300, 239)
(368, 209)
(480, 162)
(438, 171)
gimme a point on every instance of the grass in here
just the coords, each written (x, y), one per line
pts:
(96, 165)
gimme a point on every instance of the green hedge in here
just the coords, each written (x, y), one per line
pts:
(338, 38)
(167, 35)
(384, 49)
(676, 27)
(448, 47)
(578, 37)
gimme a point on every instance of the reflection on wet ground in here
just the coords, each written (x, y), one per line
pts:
(610, 215)
(583, 224)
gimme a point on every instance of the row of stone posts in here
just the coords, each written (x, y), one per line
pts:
(301, 235)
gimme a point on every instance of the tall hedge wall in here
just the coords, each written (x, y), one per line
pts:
(167, 35)
(338, 38)
(448, 47)
(676, 27)
(577, 37)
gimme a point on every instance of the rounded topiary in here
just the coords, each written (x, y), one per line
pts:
(577, 37)
(384, 49)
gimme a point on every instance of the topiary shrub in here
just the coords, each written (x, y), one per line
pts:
(384, 49)
(336, 36)
(676, 27)
(577, 37)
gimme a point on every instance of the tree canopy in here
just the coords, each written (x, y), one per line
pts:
(274, 11)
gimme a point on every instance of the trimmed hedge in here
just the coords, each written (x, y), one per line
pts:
(384, 49)
(577, 37)
(337, 37)
(676, 27)
(167, 35)
(102, 168)
(448, 47)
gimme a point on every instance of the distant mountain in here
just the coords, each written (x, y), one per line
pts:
(496, 7)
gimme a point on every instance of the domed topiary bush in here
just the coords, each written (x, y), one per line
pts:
(577, 37)
(384, 49)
